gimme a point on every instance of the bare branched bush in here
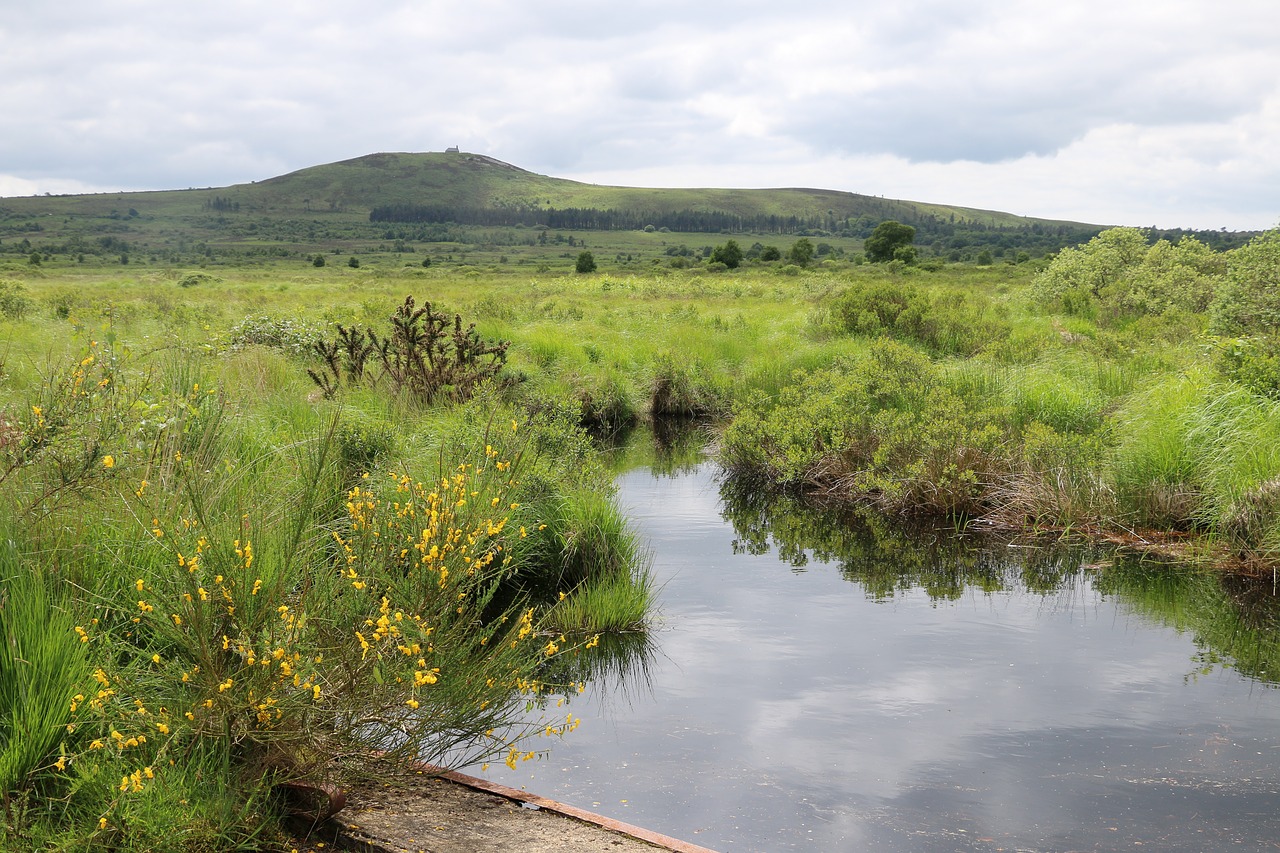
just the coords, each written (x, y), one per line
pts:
(424, 356)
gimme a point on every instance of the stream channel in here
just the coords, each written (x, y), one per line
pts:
(829, 683)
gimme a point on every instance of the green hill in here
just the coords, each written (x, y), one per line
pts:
(476, 181)
(376, 197)
(473, 181)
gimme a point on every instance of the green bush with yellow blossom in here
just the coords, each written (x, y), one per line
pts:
(224, 623)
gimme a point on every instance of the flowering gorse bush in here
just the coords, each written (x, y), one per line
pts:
(59, 443)
(93, 421)
(256, 630)
(227, 608)
(302, 649)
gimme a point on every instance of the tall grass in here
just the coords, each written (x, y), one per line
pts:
(43, 665)
(1239, 433)
(1054, 398)
(616, 602)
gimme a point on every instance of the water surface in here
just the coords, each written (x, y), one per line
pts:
(876, 691)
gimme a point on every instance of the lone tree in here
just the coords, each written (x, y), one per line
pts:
(887, 239)
(586, 262)
(801, 252)
(730, 254)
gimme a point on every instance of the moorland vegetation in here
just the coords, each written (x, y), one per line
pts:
(269, 523)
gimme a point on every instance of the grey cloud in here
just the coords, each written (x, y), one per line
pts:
(992, 96)
(955, 121)
(142, 94)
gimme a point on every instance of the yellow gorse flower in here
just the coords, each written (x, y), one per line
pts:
(445, 535)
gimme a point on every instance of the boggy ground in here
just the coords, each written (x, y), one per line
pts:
(463, 814)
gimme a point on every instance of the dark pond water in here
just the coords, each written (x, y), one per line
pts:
(818, 684)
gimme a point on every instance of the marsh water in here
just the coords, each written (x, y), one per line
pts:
(816, 682)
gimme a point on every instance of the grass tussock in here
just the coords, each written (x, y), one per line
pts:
(614, 603)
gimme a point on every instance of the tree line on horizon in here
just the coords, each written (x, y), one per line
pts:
(941, 234)
(598, 219)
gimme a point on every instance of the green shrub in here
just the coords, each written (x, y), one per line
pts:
(1252, 362)
(1093, 267)
(1171, 277)
(1126, 277)
(1248, 300)
(295, 338)
(947, 323)
(195, 279)
(884, 428)
(14, 302)
(1080, 302)
(68, 304)
(362, 442)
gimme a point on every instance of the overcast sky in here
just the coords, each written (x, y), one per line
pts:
(1107, 111)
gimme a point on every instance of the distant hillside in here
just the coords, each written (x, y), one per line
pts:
(479, 190)
(377, 196)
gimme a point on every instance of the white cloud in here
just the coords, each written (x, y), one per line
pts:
(13, 186)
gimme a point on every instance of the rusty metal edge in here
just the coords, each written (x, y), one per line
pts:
(639, 833)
